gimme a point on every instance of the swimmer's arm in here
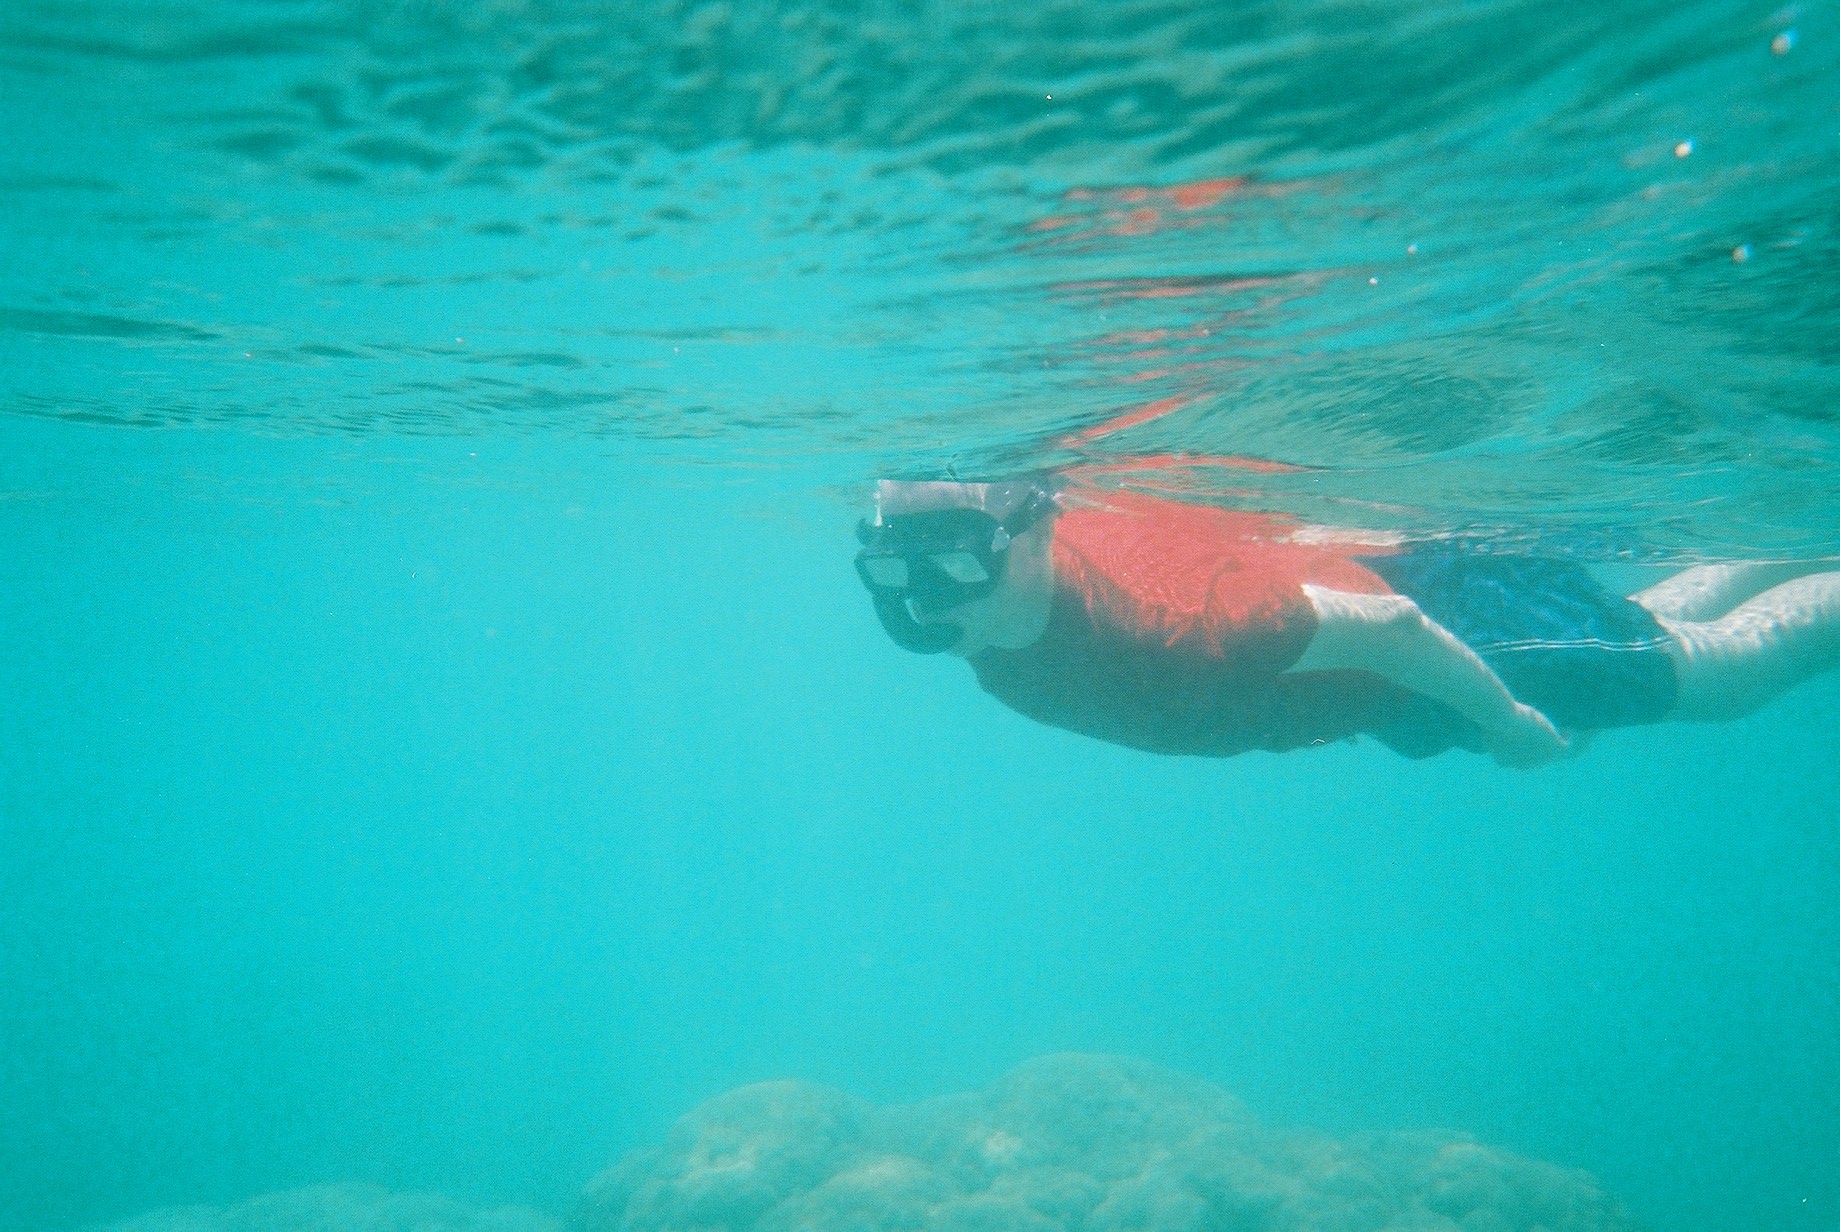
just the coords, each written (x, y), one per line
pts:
(1388, 636)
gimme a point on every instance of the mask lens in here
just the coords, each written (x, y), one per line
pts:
(888, 572)
(962, 567)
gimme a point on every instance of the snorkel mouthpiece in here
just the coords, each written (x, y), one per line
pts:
(911, 634)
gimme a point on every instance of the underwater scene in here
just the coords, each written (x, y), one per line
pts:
(710, 616)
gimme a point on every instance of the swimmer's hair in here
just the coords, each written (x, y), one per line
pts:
(997, 497)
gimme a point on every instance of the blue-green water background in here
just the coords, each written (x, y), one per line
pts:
(441, 739)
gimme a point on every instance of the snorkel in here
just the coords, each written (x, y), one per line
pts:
(936, 546)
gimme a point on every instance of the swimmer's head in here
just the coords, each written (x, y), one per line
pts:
(937, 559)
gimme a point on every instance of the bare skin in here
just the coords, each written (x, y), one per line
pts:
(1740, 635)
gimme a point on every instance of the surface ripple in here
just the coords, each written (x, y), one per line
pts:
(1459, 266)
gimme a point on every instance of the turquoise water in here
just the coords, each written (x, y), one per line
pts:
(444, 742)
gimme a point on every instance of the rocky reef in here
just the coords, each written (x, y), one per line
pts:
(1067, 1144)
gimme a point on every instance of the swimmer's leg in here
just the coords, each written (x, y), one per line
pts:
(1707, 592)
(1732, 665)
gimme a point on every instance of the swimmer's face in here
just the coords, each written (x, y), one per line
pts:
(1003, 618)
(958, 567)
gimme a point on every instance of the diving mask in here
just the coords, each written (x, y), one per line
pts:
(929, 561)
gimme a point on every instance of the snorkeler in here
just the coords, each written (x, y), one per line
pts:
(1186, 629)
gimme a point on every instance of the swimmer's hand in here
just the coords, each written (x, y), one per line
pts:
(1526, 739)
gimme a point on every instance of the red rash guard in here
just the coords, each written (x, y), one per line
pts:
(1171, 629)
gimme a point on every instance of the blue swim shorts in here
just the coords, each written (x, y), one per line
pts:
(1583, 656)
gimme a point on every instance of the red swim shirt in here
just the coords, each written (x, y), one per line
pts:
(1171, 629)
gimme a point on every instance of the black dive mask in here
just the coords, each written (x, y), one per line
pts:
(917, 564)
